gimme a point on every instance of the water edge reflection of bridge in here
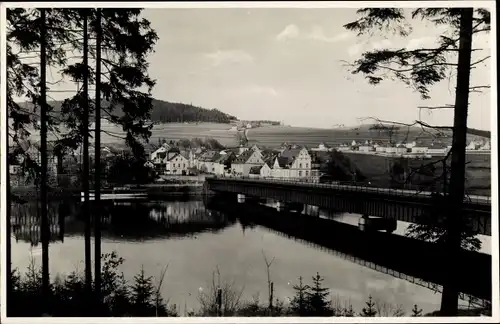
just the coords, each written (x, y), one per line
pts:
(402, 205)
(375, 251)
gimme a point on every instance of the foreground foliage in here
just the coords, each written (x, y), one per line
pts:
(142, 298)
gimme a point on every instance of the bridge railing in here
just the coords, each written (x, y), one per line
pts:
(349, 186)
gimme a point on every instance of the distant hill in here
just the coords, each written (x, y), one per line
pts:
(170, 112)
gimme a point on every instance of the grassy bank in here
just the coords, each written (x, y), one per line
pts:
(142, 297)
(377, 169)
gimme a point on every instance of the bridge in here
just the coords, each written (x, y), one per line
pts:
(402, 205)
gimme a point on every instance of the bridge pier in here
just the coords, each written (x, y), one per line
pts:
(285, 206)
(368, 224)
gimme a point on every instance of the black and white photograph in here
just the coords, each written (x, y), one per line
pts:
(301, 160)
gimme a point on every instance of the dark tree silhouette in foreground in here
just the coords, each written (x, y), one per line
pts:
(416, 312)
(318, 298)
(299, 304)
(126, 42)
(369, 310)
(420, 69)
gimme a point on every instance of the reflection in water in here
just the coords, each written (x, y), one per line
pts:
(147, 234)
(128, 221)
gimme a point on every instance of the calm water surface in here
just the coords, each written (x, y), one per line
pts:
(194, 242)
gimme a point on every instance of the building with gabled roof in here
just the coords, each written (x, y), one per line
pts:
(206, 161)
(223, 163)
(242, 164)
(177, 164)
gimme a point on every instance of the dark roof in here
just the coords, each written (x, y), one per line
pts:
(269, 159)
(176, 155)
(243, 157)
(173, 150)
(255, 169)
(283, 161)
(223, 158)
(208, 156)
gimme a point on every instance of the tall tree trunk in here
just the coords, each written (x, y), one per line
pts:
(86, 178)
(44, 226)
(449, 301)
(97, 182)
(8, 245)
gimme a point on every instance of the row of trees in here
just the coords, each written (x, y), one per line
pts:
(101, 48)
(420, 69)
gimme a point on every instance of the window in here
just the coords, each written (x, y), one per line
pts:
(300, 165)
(307, 165)
(300, 173)
(307, 173)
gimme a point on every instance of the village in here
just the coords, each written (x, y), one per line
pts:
(289, 161)
(292, 162)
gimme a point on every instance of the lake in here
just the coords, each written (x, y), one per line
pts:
(194, 241)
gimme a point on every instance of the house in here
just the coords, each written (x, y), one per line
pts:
(177, 164)
(344, 147)
(395, 149)
(242, 149)
(473, 145)
(255, 148)
(437, 149)
(380, 147)
(223, 163)
(299, 161)
(293, 163)
(160, 150)
(280, 167)
(207, 160)
(265, 170)
(149, 165)
(419, 148)
(242, 164)
(255, 171)
(366, 148)
(322, 147)
(410, 145)
(390, 148)
(485, 147)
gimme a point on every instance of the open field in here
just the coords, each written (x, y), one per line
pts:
(311, 137)
(170, 131)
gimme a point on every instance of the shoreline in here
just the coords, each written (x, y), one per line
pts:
(153, 191)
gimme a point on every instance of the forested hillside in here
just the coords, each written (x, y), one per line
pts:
(170, 112)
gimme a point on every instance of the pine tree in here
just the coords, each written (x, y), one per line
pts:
(348, 312)
(143, 294)
(299, 304)
(416, 312)
(369, 310)
(318, 298)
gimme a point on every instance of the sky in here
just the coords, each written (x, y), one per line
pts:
(289, 65)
